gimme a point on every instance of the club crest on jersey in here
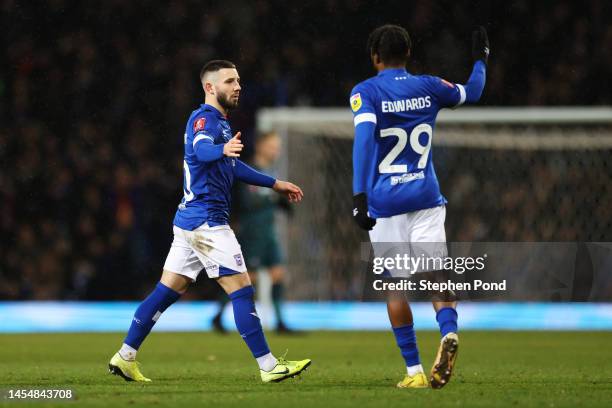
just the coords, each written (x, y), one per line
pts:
(356, 102)
(238, 259)
(199, 125)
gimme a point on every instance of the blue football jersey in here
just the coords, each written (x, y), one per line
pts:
(206, 186)
(403, 108)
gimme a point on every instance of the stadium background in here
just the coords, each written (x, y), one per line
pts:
(93, 103)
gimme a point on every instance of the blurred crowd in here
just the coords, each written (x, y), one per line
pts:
(539, 196)
(94, 98)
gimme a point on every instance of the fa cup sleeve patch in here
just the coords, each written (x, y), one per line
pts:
(445, 82)
(199, 125)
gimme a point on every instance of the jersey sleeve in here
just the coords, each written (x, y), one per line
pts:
(249, 175)
(364, 118)
(362, 105)
(203, 128)
(204, 131)
(447, 94)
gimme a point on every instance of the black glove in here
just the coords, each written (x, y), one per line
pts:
(360, 212)
(480, 45)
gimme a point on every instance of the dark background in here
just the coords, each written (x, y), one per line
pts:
(94, 97)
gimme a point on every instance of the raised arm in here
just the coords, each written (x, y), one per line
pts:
(475, 85)
(454, 95)
(480, 54)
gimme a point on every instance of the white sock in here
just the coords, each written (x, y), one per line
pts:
(127, 352)
(267, 362)
(414, 370)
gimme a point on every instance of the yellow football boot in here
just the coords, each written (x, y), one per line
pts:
(416, 381)
(284, 369)
(128, 370)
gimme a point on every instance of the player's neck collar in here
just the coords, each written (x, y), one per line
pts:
(393, 71)
(213, 109)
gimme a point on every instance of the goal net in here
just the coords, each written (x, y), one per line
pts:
(516, 174)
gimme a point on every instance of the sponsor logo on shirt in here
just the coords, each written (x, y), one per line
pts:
(227, 135)
(356, 102)
(406, 104)
(407, 178)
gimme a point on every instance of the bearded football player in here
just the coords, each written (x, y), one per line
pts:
(203, 239)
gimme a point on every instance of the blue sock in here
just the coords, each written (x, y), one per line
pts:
(447, 320)
(406, 341)
(247, 321)
(148, 312)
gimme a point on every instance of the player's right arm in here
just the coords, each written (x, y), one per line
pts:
(233, 147)
(204, 145)
(363, 148)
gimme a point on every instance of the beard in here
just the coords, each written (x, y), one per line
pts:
(226, 102)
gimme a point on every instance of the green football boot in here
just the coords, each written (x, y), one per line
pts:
(128, 370)
(284, 369)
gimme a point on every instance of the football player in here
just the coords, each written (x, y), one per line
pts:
(396, 192)
(203, 239)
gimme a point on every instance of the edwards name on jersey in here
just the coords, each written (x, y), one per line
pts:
(403, 108)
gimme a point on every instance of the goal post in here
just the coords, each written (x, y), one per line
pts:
(509, 174)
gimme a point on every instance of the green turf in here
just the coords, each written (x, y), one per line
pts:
(350, 369)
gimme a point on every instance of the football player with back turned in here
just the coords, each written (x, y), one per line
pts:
(396, 192)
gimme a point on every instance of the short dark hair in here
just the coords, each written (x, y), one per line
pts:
(214, 66)
(391, 43)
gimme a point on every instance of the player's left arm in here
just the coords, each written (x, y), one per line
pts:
(249, 175)
(455, 95)
(480, 54)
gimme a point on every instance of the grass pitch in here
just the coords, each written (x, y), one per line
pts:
(350, 369)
